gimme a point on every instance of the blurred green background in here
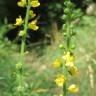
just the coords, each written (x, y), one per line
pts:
(43, 50)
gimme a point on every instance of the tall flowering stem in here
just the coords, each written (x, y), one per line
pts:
(23, 44)
(23, 33)
(66, 62)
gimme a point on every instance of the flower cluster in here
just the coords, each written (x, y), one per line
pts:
(33, 3)
(32, 24)
(68, 61)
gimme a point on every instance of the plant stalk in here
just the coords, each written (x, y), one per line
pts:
(23, 49)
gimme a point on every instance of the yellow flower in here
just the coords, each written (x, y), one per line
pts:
(73, 70)
(73, 88)
(35, 3)
(19, 21)
(68, 57)
(21, 3)
(57, 63)
(33, 26)
(32, 14)
(60, 80)
(69, 64)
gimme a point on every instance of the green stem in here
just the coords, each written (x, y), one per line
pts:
(65, 84)
(68, 40)
(25, 30)
(23, 48)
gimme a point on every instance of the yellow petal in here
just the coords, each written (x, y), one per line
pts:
(57, 63)
(73, 70)
(19, 21)
(60, 80)
(35, 3)
(21, 3)
(69, 64)
(73, 88)
(33, 26)
(68, 57)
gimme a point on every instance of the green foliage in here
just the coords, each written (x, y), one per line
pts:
(39, 74)
(84, 39)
